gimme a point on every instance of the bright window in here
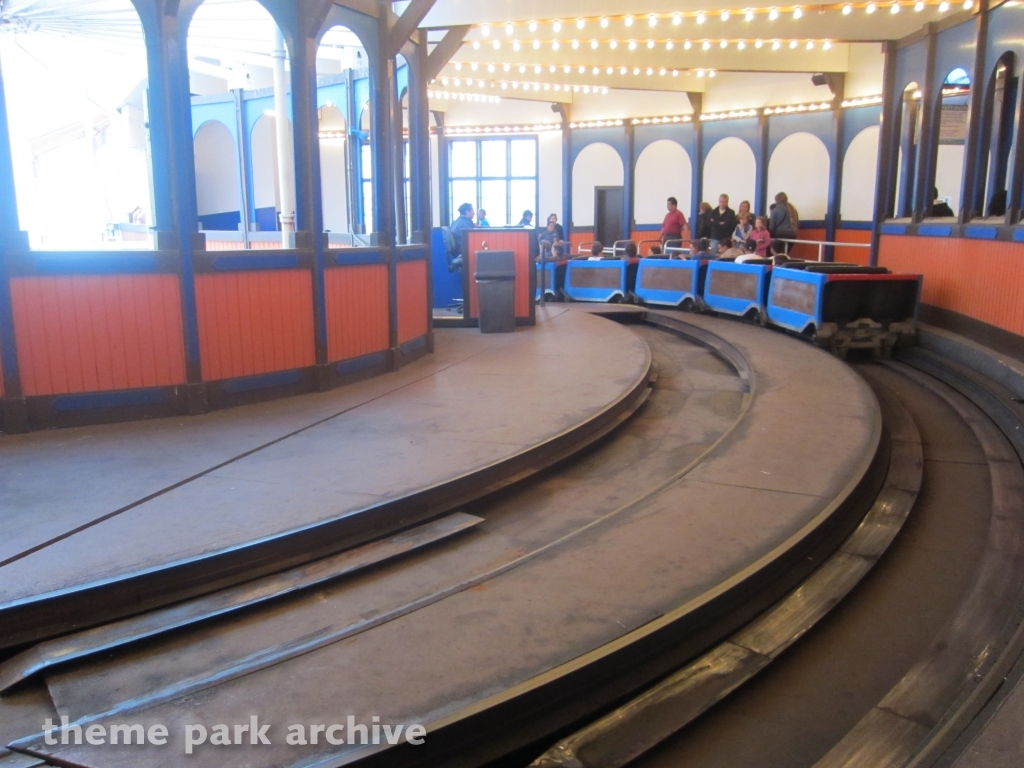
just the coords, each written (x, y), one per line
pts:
(498, 175)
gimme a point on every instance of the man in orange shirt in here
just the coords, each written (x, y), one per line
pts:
(672, 226)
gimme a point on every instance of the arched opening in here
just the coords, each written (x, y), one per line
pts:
(76, 88)
(341, 61)
(365, 163)
(859, 182)
(663, 170)
(729, 169)
(951, 112)
(997, 134)
(800, 167)
(597, 165)
(218, 196)
(908, 129)
(238, 73)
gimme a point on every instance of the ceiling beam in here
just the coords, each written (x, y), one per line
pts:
(444, 50)
(406, 24)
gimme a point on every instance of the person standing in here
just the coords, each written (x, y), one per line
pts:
(781, 225)
(481, 218)
(703, 222)
(723, 222)
(672, 225)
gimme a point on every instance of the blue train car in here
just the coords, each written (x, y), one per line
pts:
(844, 306)
(603, 280)
(738, 289)
(671, 282)
(552, 277)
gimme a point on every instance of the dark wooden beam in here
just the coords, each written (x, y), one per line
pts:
(407, 23)
(444, 51)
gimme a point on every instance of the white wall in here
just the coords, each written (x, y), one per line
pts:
(663, 170)
(800, 166)
(949, 173)
(435, 181)
(507, 111)
(620, 104)
(598, 165)
(864, 76)
(333, 184)
(264, 164)
(549, 175)
(859, 166)
(747, 90)
(729, 168)
(217, 185)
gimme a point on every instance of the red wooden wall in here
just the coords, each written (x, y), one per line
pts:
(855, 255)
(517, 241)
(88, 333)
(411, 279)
(980, 279)
(575, 238)
(357, 310)
(254, 322)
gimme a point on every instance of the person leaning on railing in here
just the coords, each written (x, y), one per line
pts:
(783, 222)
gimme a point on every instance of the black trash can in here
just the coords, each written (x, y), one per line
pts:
(496, 288)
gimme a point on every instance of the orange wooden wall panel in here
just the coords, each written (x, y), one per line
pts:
(254, 322)
(638, 236)
(517, 241)
(980, 279)
(804, 251)
(411, 290)
(854, 255)
(575, 238)
(357, 310)
(92, 333)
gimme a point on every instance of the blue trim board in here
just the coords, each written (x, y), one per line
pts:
(95, 265)
(862, 225)
(935, 230)
(417, 254)
(118, 399)
(361, 363)
(894, 229)
(981, 233)
(244, 263)
(262, 381)
(1018, 235)
(228, 220)
(351, 259)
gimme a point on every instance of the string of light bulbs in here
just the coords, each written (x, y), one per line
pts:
(677, 18)
(668, 44)
(481, 129)
(527, 86)
(482, 98)
(567, 69)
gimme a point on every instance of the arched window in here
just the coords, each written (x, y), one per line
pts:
(998, 113)
(729, 169)
(663, 170)
(366, 169)
(800, 167)
(341, 63)
(597, 165)
(859, 182)
(952, 109)
(908, 131)
(76, 91)
(238, 74)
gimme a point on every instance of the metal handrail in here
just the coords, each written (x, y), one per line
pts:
(821, 244)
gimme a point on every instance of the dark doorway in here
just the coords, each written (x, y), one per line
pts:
(607, 214)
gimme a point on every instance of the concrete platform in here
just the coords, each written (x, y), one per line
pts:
(86, 508)
(566, 576)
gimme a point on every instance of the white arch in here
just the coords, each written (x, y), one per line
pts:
(334, 169)
(663, 170)
(263, 149)
(217, 177)
(597, 165)
(857, 202)
(800, 166)
(730, 169)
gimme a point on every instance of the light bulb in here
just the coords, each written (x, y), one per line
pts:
(555, 45)
(580, 23)
(675, 73)
(847, 9)
(473, 66)
(522, 68)
(567, 69)
(662, 71)
(636, 70)
(515, 45)
(536, 45)
(575, 44)
(724, 16)
(496, 45)
(650, 71)
(741, 45)
(701, 18)
(628, 21)
(792, 43)
(609, 71)
(604, 22)
(758, 43)
(476, 45)
(943, 6)
(919, 6)
(652, 20)
(669, 45)
(773, 14)
(632, 45)
(650, 43)
(677, 19)
(724, 44)
(557, 26)
(509, 29)
(827, 45)
(686, 45)
(871, 8)
(797, 12)
(595, 71)
(894, 8)
(711, 73)
(613, 44)
(485, 30)
(707, 45)
(581, 69)
(776, 45)
(623, 71)
(506, 67)
(810, 45)
(749, 15)
(968, 4)
(458, 66)
(533, 26)
(700, 73)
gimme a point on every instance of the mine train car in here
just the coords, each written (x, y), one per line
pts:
(838, 306)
